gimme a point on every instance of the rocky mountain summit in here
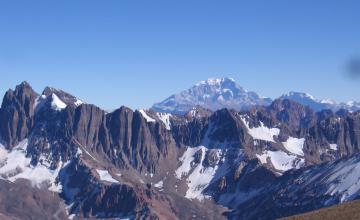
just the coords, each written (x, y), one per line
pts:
(262, 162)
(212, 94)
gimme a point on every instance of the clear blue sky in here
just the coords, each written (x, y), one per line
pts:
(135, 53)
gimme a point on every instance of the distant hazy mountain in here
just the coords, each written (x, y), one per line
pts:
(212, 94)
(318, 105)
(215, 94)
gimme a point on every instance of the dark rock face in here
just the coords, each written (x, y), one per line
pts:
(17, 114)
(293, 114)
(92, 198)
(21, 201)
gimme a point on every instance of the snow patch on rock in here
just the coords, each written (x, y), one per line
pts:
(262, 132)
(333, 146)
(146, 116)
(165, 118)
(159, 184)
(280, 160)
(295, 145)
(105, 176)
(198, 175)
(15, 165)
(56, 103)
(78, 102)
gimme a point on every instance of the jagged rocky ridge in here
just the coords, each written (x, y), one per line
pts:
(145, 164)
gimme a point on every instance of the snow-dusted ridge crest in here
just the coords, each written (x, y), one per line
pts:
(321, 104)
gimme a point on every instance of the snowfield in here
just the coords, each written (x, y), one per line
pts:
(280, 160)
(295, 145)
(199, 176)
(15, 165)
(262, 132)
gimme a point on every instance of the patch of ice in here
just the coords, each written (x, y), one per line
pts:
(105, 176)
(295, 145)
(159, 184)
(165, 118)
(280, 160)
(333, 146)
(262, 132)
(263, 157)
(78, 152)
(56, 103)
(147, 118)
(78, 102)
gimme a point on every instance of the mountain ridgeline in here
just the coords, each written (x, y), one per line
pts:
(215, 94)
(271, 159)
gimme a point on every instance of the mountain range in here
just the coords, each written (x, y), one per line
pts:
(214, 94)
(231, 154)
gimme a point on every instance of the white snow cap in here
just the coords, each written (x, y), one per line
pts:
(214, 81)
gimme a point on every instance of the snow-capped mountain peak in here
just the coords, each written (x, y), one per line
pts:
(213, 94)
(59, 98)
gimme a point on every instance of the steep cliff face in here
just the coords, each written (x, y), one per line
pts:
(17, 114)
